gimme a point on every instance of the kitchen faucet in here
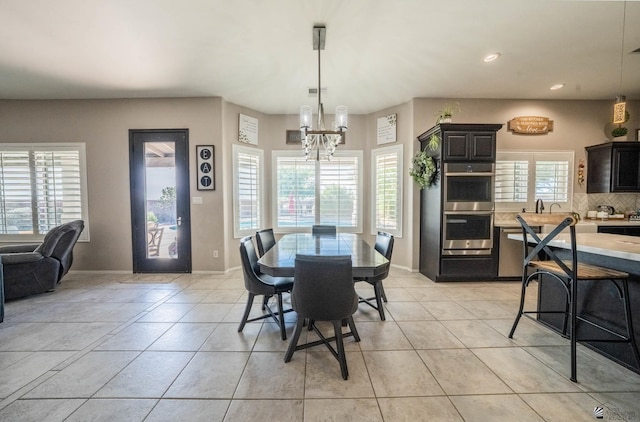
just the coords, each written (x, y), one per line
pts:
(539, 206)
(551, 207)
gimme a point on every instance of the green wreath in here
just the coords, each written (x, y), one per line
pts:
(424, 169)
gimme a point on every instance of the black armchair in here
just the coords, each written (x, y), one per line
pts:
(37, 268)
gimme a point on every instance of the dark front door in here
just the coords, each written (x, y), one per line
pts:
(160, 213)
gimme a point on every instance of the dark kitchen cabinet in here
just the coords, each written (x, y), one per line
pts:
(625, 230)
(468, 145)
(613, 167)
(458, 143)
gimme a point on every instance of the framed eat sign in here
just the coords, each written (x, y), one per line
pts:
(206, 167)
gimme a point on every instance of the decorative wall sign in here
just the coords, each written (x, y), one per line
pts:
(531, 125)
(248, 129)
(387, 129)
(206, 167)
(294, 137)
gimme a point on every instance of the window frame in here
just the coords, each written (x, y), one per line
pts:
(399, 151)
(31, 147)
(532, 157)
(260, 191)
(358, 154)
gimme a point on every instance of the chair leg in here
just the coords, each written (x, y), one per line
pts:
(378, 289)
(337, 327)
(573, 286)
(265, 301)
(247, 311)
(283, 331)
(352, 327)
(294, 340)
(384, 295)
(522, 294)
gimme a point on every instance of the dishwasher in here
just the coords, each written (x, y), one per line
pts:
(511, 256)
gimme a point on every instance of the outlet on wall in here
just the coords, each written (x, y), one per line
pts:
(215, 253)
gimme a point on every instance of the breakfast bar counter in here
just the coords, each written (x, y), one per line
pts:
(596, 299)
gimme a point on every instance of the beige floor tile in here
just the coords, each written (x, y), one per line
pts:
(324, 379)
(189, 296)
(411, 409)
(184, 336)
(474, 333)
(85, 376)
(212, 375)
(408, 311)
(265, 410)
(27, 369)
(226, 338)
(351, 410)
(447, 310)
(224, 296)
(137, 336)
(142, 378)
(400, 374)
(563, 407)
(267, 376)
(167, 312)
(207, 312)
(382, 335)
(50, 410)
(109, 410)
(619, 406)
(528, 332)
(168, 410)
(523, 372)
(447, 365)
(429, 335)
(499, 408)
(487, 309)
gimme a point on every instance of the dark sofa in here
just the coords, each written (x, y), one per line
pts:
(36, 268)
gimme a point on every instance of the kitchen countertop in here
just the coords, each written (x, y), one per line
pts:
(611, 222)
(611, 245)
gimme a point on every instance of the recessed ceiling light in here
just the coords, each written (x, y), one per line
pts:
(556, 86)
(491, 57)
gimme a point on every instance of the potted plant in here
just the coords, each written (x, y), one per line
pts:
(445, 115)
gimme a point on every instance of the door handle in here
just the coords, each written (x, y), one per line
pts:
(179, 221)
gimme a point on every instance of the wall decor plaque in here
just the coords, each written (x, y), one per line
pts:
(248, 129)
(387, 129)
(531, 125)
(206, 167)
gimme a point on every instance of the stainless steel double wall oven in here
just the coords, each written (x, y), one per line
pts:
(468, 190)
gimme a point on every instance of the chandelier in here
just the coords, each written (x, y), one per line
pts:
(314, 140)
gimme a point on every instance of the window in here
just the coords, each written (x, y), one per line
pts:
(524, 176)
(317, 192)
(386, 169)
(41, 187)
(248, 175)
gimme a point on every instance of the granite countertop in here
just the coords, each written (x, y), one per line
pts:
(598, 222)
(612, 245)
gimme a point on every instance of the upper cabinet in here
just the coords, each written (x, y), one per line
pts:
(465, 142)
(613, 167)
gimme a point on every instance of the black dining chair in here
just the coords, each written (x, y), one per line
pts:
(384, 245)
(324, 291)
(541, 260)
(258, 284)
(322, 229)
(265, 240)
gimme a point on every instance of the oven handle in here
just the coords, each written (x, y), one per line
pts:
(470, 174)
(488, 213)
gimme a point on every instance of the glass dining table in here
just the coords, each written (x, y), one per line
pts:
(279, 261)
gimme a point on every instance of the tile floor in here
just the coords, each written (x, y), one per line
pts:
(107, 347)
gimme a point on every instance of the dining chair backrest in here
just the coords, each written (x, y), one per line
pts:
(251, 269)
(322, 229)
(265, 240)
(384, 245)
(323, 288)
(530, 224)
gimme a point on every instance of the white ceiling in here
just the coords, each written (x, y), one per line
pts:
(259, 53)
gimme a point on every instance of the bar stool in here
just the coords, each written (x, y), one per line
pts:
(569, 273)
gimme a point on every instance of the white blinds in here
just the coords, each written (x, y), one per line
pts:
(317, 192)
(387, 190)
(552, 180)
(41, 186)
(248, 190)
(511, 183)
